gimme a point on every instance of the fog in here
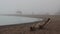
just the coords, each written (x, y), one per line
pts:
(29, 7)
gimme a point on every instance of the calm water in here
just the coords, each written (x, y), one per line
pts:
(7, 20)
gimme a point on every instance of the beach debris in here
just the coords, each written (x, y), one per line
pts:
(39, 25)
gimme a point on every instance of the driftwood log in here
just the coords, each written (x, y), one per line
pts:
(39, 25)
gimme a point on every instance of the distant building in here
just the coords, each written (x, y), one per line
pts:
(19, 12)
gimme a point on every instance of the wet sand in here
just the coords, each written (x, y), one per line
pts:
(53, 27)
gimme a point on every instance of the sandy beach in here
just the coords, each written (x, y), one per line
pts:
(53, 27)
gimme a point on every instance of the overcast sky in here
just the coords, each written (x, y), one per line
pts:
(29, 6)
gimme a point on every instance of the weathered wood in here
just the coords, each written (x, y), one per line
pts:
(39, 25)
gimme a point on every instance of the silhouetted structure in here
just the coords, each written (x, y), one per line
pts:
(19, 12)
